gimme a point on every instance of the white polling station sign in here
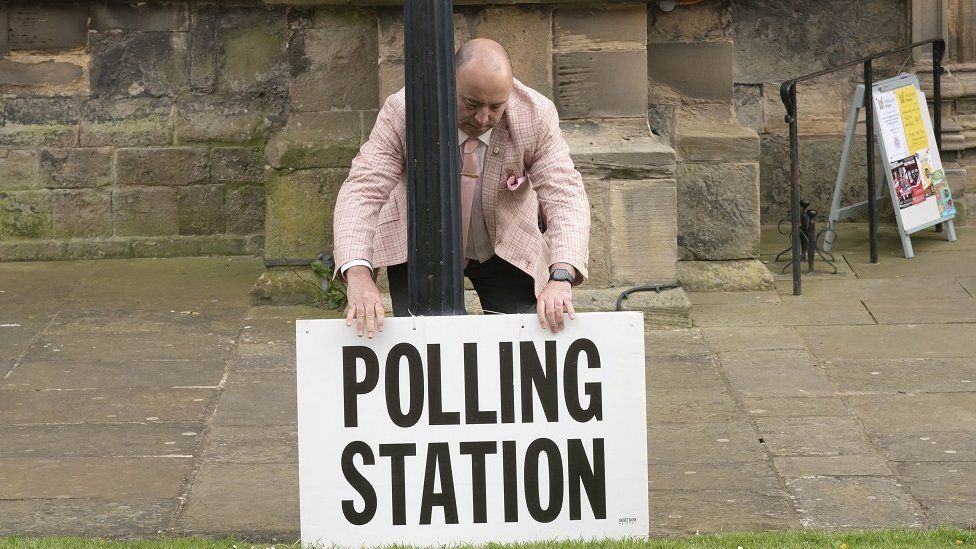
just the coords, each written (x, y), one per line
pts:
(472, 429)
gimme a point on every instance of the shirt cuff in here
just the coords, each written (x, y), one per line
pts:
(354, 263)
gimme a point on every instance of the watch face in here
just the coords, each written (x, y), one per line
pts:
(560, 275)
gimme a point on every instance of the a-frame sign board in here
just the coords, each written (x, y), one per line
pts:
(910, 155)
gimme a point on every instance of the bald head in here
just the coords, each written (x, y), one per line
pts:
(483, 71)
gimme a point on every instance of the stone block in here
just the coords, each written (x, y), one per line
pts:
(855, 503)
(792, 38)
(73, 168)
(144, 211)
(18, 169)
(4, 36)
(597, 191)
(820, 108)
(748, 103)
(718, 210)
(526, 33)
(200, 209)
(88, 517)
(81, 213)
(138, 17)
(299, 212)
(51, 121)
(97, 249)
(189, 246)
(704, 22)
(391, 79)
(244, 209)
(333, 66)
(140, 121)
(253, 50)
(25, 214)
(665, 310)
(224, 119)
(724, 276)
(285, 286)
(97, 477)
(139, 64)
(600, 84)
(237, 165)
(717, 142)
(203, 47)
(819, 161)
(48, 27)
(619, 149)
(37, 75)
(162, 166)
(642, 231)
(599, 28)
(712, 78)
(32, 250)
(316, 140)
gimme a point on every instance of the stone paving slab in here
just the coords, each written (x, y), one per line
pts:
(679, 341)
(690, 405)
(936, 412)
(813, 436)
(847, 465)
(902, 375)
(932, 265)
(223, 320)
(100, 440)
(750, 476)
(682, 372)
(849, 503)
(928, 446)
(101, 477)
(120, 347)
(922, 311)
(252, 444)
(787, 373)
(103, 405)
(690, 511)
(876, 289)
(731, 441)
(812, 313)
(86, 517)
(892, 341)
(752, 338)
(795, 406)
(941, 481)
(259, 398)
(115, 375)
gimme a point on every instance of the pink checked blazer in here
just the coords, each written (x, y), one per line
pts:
(371, 210)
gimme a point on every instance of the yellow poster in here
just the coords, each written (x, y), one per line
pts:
(911, 117)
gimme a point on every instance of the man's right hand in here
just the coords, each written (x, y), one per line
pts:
(364, 302)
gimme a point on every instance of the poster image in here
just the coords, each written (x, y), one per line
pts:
(907, 177)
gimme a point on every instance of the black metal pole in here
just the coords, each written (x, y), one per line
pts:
(434, 235)
(869, 131)
(938, 51)
(788, 94)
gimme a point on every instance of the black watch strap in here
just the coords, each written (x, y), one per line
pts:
(561, 275)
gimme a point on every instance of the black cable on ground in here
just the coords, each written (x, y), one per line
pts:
(657, 288)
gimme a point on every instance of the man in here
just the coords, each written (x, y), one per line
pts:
(513, 161)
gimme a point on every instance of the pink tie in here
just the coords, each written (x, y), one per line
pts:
(469, 178)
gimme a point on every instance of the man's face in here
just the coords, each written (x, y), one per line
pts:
(482, 96)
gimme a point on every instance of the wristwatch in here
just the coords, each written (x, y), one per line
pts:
(561, 275)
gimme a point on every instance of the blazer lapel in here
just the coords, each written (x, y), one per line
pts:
(491, 182)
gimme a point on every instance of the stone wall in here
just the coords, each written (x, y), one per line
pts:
(137, 129)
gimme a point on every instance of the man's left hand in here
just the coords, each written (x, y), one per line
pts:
(555, 300)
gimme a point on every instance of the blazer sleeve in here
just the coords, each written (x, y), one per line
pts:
(375, 172)
(562, 196)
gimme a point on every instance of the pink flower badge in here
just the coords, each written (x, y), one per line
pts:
(514, 182)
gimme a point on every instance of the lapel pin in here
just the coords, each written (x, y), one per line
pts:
(495, 150)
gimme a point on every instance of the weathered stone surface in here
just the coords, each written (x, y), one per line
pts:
(891, 341)
(923, 311)
(41, 75)
(299, 211)
(224, 119)
(316, 140)
(190, 245)
(783, 373)
(141, 17)
(724, 276)
(903, 375)
(727, 143)
(244, 209)
(675, 343)
(599, 28)
(724, 441)
(692, 511)
(115, 375)
(643, 231)
(253, 50)
(200, 209)
(333, 66)
(81, 213)
(72, 168)
(32, 250)
(795, 407)
(774, 42)
(712, 77)
(48, 27)
(598, 271)
(237, 165)
(792, 313)
(99, 440)
(826, 502)
(527, 35)
(18, 169)
(928, 446)
(708, 21)
(257, 444)
(941, 481)
(756, 477)
(202, 34)
(150, 211)
(666, 309)
(813, 436)
(600, 84)
(121, 478)
(86, 517)
(162, 166)
(834, 466)
(51, 121)
(122, 122)
(682, 371)
(258, 398)
(820, 108)
(618, 149)
(228, 498)
(724, 340)
(718, 210)
(25, 214)
(748, 104)
(138, 64)
(103, 405)
(914, 413)
(285, 287)
(667, 404)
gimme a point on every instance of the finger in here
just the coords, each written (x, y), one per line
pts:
(570, 310)
(540, 309)
(560, 319)
(551, 315)
(370, 321)
(380, 315)
(360, 314)
(350, 314)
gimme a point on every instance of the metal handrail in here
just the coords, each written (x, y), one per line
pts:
(787, 93)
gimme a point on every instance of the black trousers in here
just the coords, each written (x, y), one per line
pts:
(501, 287)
